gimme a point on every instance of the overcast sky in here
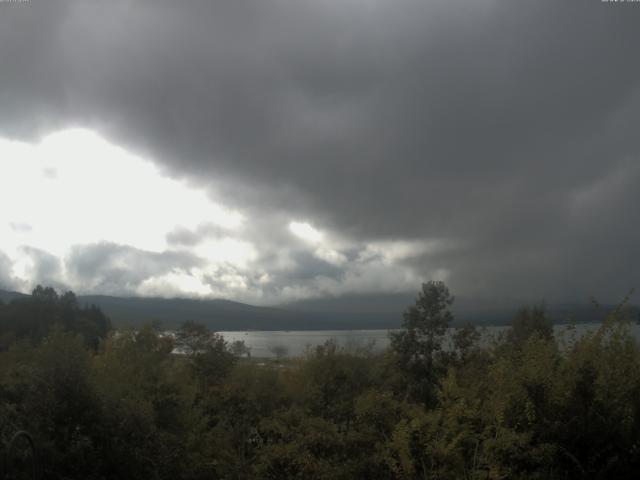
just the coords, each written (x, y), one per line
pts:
(273, 150)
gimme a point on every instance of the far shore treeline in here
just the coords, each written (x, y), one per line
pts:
(104, 403)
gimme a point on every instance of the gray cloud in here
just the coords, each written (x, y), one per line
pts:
(181, 236)
(308, 266)
(7, 280)
(43, 267)
(20, 227)
(506, 127)
(119, 269)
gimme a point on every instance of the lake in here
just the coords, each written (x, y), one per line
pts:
(294, 343)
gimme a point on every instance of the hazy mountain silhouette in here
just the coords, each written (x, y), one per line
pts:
(348, 312)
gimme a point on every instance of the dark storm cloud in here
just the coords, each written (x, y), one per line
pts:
(305, 266)
(120, 269)
(508, 127)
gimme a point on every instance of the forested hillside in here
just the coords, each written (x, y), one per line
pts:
(348, 312)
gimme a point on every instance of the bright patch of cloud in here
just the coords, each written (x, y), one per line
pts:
(305, 231)
(325, 250)
(228, 250)
(174, 283)
(394, 251)
(330, 256)
(75, 188)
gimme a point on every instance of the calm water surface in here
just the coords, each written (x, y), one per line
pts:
(295, 343)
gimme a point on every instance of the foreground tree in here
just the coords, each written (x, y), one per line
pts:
(528, 322)
(418, 346)
(210, 356)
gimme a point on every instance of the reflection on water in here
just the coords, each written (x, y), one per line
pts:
(294, 343)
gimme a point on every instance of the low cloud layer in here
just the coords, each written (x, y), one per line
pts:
(503, 133)
(109, 222)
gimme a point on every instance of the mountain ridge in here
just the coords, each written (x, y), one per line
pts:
(350, 312)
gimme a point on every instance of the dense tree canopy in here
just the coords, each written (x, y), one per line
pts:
(32, 318)
(444, 404)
